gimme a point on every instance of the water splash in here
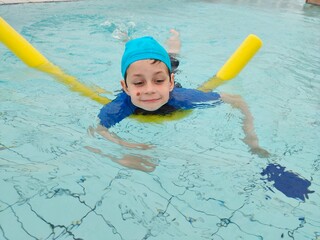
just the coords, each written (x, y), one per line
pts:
(122, 31)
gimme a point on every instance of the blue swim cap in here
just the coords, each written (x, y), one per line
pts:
(141, 49)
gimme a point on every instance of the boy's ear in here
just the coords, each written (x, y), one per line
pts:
(124, 87)
(172, 82)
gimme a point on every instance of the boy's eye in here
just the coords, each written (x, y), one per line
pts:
(159, 81)
(138, 83)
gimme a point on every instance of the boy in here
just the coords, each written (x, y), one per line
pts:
(149, 88)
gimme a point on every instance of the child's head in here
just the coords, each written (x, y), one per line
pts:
(146, 69)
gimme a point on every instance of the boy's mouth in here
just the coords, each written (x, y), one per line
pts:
(150, 100)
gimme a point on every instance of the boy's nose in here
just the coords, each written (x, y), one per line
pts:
(149, 88)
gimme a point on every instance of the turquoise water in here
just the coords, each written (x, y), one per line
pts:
(206, 183)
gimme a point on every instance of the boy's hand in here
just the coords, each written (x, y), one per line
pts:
(262, 153)
(142, 163)
(102, 131)
(138, 162)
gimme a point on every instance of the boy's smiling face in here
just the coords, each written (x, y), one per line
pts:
(148, 84)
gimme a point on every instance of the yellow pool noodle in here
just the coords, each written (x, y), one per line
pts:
(72, 83)
(239, 59)
(19, 46)
(158, 119)
(33, 58)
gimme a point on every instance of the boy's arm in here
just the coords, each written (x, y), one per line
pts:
(138, 162)
(104, 132)
(113, 113)
(251, 138)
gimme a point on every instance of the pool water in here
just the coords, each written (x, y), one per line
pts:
(202, 181)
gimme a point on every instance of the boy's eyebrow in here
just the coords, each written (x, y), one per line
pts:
(159, 72)
(137, 75)
(141, 75)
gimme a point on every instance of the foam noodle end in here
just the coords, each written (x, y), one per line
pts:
(240, 58)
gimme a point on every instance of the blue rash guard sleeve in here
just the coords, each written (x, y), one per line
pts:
(183, 98)
(115, 111)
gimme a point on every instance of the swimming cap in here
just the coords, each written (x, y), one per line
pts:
(141, 49)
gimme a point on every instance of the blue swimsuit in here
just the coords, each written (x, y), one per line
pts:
(180, 98)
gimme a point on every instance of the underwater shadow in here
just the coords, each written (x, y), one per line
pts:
(289, 183)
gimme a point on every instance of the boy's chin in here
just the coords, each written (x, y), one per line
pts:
(150, 108)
